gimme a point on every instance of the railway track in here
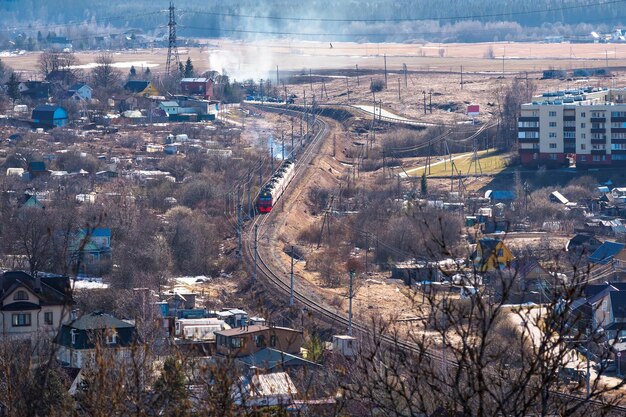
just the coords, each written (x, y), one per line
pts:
(311, 302)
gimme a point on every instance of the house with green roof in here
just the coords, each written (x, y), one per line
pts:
(78, 340)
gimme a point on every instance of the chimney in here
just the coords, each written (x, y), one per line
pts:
(37, 283)
(73, 314)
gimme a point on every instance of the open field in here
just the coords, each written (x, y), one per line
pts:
(489, 162)
(258, 59)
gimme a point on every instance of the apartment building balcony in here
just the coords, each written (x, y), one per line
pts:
(601, 130)
(598, 119)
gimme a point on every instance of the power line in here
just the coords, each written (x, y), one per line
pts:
(415, 19)
(77, 22)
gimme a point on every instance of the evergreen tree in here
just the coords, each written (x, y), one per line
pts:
(133, 71)
(13, 90)
(147, 72)
(188, 68)
(170, 388)
(39, 37)
(424, 184)
(181, 69)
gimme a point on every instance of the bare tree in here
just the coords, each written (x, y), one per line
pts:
(104, 76)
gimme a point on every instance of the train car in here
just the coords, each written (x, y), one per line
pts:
(276, 186)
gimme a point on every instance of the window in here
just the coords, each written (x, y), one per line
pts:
(48, 317)
(273, 340)
(552, 114)
(552, 134)
(582, 125)
(583, 158)
(20, 295)
(235, 342)
(583, 147)
(111, 338)
(553, 146)
(21, 319)
(596, 158)
(553, 156)
(259, 340)
(73, 333)
(583, 136)
(500, 253)
(552, 124)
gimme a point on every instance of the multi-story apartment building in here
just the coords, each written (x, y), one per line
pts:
(586, 126)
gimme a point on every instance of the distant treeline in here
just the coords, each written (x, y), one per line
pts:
(454, 20)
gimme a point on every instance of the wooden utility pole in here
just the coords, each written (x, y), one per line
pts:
(430, 100)
(399, 90)
(424, 92)
(405, 75)
(385, 57)
(350, 295)
(461, 77)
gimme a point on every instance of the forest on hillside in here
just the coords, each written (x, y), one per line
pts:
(350, 20)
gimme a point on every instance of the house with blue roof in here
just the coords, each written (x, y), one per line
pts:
(609, 253)
(46, 115)
(90, 250)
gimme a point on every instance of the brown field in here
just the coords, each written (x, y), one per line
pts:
(259, 59)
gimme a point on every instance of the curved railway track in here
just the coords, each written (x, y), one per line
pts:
(309, 300)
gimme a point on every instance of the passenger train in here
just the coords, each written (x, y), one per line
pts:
(275, 187)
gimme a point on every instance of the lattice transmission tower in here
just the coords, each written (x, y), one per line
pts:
(172, 49)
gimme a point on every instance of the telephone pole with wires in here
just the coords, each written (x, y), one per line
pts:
(172, 49)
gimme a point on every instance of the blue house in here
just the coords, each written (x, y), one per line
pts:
(46, 115)
(90, 250)
(79, 92)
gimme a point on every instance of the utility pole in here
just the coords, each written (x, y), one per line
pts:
(385, 57)
(249, 195)
(282, 136)
(348, 89)
(367, 249)
(292, 149)
(272, 158)
(461, 77)
(306, 114)
(399, 90)
(291, 279)
(430, 100)
(310, 80)
(239, 220)
(405, 75)
(172, 48)
(424, 91)
(350, 295)
(357, 75)
(260, 175)
(256, 232)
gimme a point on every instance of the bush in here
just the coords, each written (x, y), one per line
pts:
(377, 85)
